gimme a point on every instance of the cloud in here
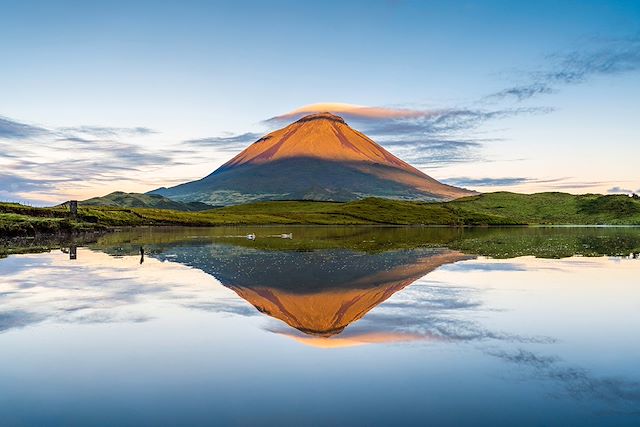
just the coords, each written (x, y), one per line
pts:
(577, 382)
(51, 161)
(434, 153)
(483, 266)
(11, 129)
(523, 92)
(228, 306)
(619, 190)
(446, 121)
(511, 181)
(12, 319)
(487, 182)
(11, 182)
(578, 184)
(562, 183)
(385, 121)
(42, 287)
(430, 309)
(107, 131)
(225, 143)
(349, 111)
(424, 137)
(608, 57)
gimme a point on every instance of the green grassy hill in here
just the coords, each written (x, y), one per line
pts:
(487, 209)
(500, 208)
(137, 200)
(555, 208)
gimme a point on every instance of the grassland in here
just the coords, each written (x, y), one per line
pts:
(491, 209)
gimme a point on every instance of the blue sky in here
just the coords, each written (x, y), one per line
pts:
(522, 96)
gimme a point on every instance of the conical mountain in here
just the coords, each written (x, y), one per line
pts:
(318, 157)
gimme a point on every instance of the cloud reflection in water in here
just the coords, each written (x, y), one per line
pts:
(434, 296)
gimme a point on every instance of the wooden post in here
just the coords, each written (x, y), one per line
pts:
(73, 209)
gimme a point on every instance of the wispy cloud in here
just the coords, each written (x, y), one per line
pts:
(560, 183)
(620, 190)
(15, 183)
(106, 131)
(511, 181)
(487, 182)
(113, 288)
(445, 122)
(606, 57)
(229, 142)
(51, 161)
(14, 129)
(483, 266)
(568, 184)
(578, 382)
(435, 153)
(350, 111)
(425, 137)
(11, 129)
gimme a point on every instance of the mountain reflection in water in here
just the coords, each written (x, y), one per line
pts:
(524, 318)
(326, 279)
(316, 292)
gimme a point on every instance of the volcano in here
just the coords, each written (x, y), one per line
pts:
(318, 157)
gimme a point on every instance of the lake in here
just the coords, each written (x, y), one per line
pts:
(326, 326)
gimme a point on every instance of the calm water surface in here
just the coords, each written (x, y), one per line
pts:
(336, 326)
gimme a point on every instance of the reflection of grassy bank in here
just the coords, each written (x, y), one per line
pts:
(44, 243)
(550, 242)
(486, 209)
(493, 242)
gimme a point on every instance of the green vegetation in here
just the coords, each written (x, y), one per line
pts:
(19, 220)
(137, 200)
(556, 208)
(495, 209)
(46, 242)
(368, 211)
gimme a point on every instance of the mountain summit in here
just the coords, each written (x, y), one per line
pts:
(318, 157)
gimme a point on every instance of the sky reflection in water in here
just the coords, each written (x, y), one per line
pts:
(214, 330)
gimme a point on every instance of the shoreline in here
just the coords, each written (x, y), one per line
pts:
(494, 241)
(486, 210)
(100, 231)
